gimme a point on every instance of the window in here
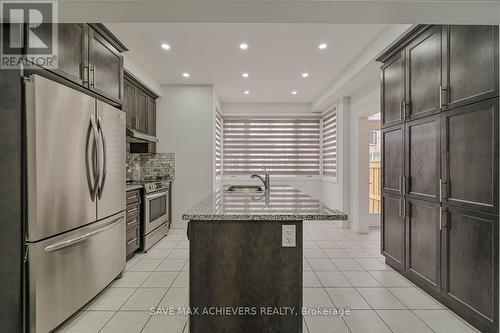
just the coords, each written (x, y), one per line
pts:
(282, 145)
(218, 144)
(329, 148)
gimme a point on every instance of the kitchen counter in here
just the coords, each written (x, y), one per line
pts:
(246, 251)
(282, 203)
(131, 187)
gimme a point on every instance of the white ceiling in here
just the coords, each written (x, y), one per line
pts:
(275, 59)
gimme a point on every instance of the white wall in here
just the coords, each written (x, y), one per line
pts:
(362, 105)
(309, 185)
(185, 127)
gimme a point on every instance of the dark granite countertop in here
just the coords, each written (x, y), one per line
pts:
(131, 187)
(282, 203)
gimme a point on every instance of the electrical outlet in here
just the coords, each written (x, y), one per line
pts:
(288, 235)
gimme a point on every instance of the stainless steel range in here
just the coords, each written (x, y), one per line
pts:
(156, 218)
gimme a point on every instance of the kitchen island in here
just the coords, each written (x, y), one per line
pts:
(245, 259)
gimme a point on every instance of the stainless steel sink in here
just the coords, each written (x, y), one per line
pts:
(245, 189)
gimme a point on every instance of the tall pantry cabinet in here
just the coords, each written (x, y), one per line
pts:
(440, 165)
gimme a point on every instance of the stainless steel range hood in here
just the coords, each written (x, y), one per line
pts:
(139, 137)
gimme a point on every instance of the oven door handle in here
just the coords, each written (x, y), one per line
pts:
(156, 195)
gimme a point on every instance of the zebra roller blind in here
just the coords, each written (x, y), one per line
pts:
(218, 144)
(329, 148)
(282, 145)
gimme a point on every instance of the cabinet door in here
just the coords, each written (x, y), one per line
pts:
(72, 61)
(151, 116)
(141, 110)
(392, 160)
(129, 103)
(423, 158)
(470, 155)
(423, 63)
(423, 245)
(105, 68)
(393, 230)
(471, 57)
(392, 90)
(152, 122)
(470, 272)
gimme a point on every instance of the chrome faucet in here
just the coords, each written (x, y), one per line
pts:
(264, 180)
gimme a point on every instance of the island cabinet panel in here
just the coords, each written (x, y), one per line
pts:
(471, 64)
(393, 90)
(393, 230)
(423, 67)
(448, 194)
(422, 143)
(470, 272)
(470, 156)
(242, 264)
(423, 250)
(393, 160)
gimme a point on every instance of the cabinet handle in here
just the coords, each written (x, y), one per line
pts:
(401, 110)
(442, 189)
(132, 241)
(442, 100)
(92, 76)
(85, 74)
(440, 218)
(132, 197)
(132, 210)
(131, 222)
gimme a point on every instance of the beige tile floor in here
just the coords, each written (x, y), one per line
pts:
(342, 269)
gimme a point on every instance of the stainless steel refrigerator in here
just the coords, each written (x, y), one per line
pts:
(75, 198)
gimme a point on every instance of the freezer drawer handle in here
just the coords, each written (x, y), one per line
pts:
(72, 241)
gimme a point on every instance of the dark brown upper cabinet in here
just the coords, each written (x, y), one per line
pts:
(141, 111)
(129, 102)
(151, 116)
(152, 122)
(139, 103)
(470, 275)
(105, 67)
(422, 155)
(423, 243)
(470, 61)
(423, 74)
(470, 156)
(393, 229)
(72, 51)
(393, 160)
(393, 90)
(89, 56)
(72, 44)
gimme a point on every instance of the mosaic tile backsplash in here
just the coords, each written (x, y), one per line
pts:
(150, 166)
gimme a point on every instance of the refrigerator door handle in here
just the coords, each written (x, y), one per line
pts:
(104, 155)
(97, 165)
(65, 243)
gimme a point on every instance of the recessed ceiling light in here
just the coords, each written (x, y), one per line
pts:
(186, 75)
(243, 46)
(322, 46)
(246, 92)
(305, 74)
(294, 92)
(244, 74)
(165, 46)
